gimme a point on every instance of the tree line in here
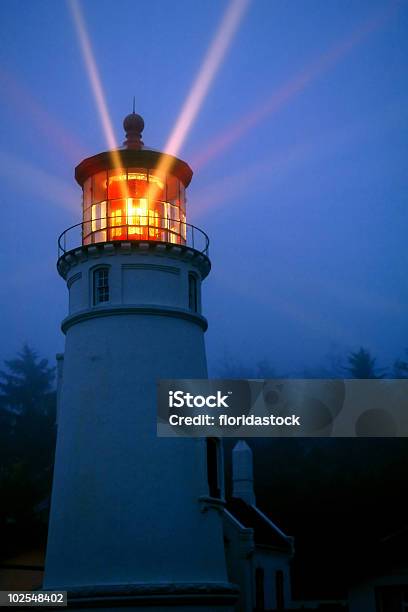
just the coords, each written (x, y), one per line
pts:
(358, 364)
(28, 433)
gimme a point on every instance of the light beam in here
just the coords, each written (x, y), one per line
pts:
(93, 73)
(292, 87)
(21, 99)
(209, 67)
(26, 177)
(211, 64)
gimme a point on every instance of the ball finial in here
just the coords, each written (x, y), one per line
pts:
(133, 125)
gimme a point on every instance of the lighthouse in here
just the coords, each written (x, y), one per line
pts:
(135, 520)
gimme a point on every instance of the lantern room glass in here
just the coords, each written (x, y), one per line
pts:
(133, 204)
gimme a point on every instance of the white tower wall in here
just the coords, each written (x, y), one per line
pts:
(129, 508)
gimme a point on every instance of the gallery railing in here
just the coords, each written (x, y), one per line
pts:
(149, 228)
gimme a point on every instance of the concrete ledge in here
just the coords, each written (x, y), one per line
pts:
(167, 249)
(149, 309)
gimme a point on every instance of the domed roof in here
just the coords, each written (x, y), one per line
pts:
(133, 125)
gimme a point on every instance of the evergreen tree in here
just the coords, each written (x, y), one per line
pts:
(362, 365)
(27, 441)
(27, 384)
(400, 369)
(27, 404)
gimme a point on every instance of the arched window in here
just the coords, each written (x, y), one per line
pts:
(100, 285)
(192, 292)
(213, 468)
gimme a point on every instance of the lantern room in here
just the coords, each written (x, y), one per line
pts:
(133, 193)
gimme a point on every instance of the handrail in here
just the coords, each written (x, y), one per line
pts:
(192, 233)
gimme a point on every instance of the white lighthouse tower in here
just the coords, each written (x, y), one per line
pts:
(136, 520)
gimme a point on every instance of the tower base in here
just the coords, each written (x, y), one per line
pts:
(147, 597)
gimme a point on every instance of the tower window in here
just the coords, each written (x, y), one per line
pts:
(212, 468)
(100, 286)
(192, 293)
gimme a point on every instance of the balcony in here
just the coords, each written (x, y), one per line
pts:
(147, 229)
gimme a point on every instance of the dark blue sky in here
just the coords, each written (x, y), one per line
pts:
(299, 151)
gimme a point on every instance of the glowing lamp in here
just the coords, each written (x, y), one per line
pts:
(133, 193)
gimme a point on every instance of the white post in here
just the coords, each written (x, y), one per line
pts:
(242, 473)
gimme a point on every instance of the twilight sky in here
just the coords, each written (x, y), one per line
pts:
(300, 155)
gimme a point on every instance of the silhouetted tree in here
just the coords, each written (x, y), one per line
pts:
(400, 369)
(362, 365)
(27, 420)
(27, 402)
